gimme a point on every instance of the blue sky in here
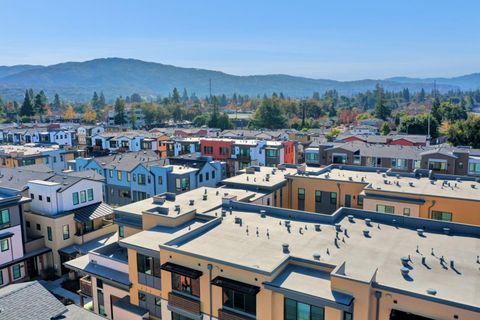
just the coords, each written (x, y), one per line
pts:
(344, 40)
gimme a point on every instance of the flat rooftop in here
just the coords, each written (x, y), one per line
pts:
(260, 177)
(170, 201)
(26, 150)
(379, 253)
(176, 169)
(461, 189)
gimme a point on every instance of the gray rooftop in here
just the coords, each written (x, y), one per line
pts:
(127, 161)
(259, 178)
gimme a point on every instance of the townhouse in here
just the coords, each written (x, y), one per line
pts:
(406, 194)
(117, 141)
(69, 213)
(274, 263)
(53, 134)
(85, 134)
(56, 158)
(395, 139)
(22, 257)
(438, 159)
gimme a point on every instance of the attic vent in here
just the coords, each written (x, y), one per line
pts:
(350, 218)
(350, 178)
(366, 233)
(191, 202)
(285, 248)
(177, 207)
(368, 222)
(224, 213)
(205, 197)
(318, 227)
(410, 184)
(404, 271)
(474, 186)
(238, 221)
(263, 214)
(338, 227)
(316, 256)
(405, 261)
(431, 291)
(420, 232)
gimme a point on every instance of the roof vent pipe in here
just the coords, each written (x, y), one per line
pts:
(316, 256)
(205, 197)
(177, 207)
(366, 233)
(263, 214)
(368, 222)
(191, 202)
(285, 248)
(350, 218)
(338, 227)
(420, 232)
(404, 271)
(224, 213)
(405, 261)
(318, 227)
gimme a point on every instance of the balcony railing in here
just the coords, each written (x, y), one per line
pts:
(224, 314)
(183, 302)
(34, 244)
(86, 286)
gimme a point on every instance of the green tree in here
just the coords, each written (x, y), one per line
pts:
(101, 101)
(224, 122)
(453, 112)
(215, 115)
(465, 132)
(381, 109)
(135, 98)
(201, 120)
(385, 129)
(56, 105)
(184, 95)
(175, 96)
(119, 110)
(26, 109)
(95, 100)
(436, 112)
(132, 118)
(40, 104)
(269, 115)
(419, 125)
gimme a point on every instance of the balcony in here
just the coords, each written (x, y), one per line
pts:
(224, 314)
(183, 302)
(33, 244)
(86, 286)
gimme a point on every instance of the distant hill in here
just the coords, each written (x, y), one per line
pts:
(116, 76)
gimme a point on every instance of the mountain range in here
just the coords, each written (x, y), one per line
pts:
(76, 81)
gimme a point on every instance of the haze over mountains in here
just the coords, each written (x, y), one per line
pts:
(116, 76)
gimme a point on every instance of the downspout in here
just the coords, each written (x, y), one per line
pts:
(430, 208)
(210, 267)
(339, 196)
(378, 295)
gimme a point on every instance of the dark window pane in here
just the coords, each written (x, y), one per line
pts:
(290, 309)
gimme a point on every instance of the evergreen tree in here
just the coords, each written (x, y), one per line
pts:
(184, 95)
(101, 101)
(421, 96)
(385, 129)
(132, 118)
(213, 122)
(175, 96)
(56, 105)
(269, 115)
(119, 110)
(381, 110)
(435, 112)
(95, 100)
(27, 106)
(136, 98)
(40, 104)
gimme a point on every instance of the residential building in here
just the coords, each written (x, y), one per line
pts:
(70, 214)
(21, 257)
(261, 262)
(325, 190)
(56, 158)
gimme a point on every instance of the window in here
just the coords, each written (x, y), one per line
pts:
(148, 265)
(207, 176)
(39, 227)
(142, 296)
(186, 284)
(40, 198)
(182, 184)
(27, 223)
(101, 303)
(312, 156)
(1, 278)
(110, 173)
(149, 179)
(347, 315)
(223, 150)
(141, 179)
(437, 165)
(213, 174)
(385, 209)
(48, 199)
(406, 212)
(75, 198)
(200, 177)
(240, 301)
(417, 164)
(4, 246)
(66, 232)
(207, 150)
(121, 231)
(17, 273)
(160, 180)
(272, 153)
(339, 158)
(474, 168)
(32, 196)
(90, 194)
(99, 283)
(357, 159)
(318, 196)
(373, 162)
(360, 200)
(4, 219)
(119, 175)
(129, 176)
(294, 310)
(333, 198)
(83, 196)
(301, 194)
(440, 215)
(399, 163)
(49, 234)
